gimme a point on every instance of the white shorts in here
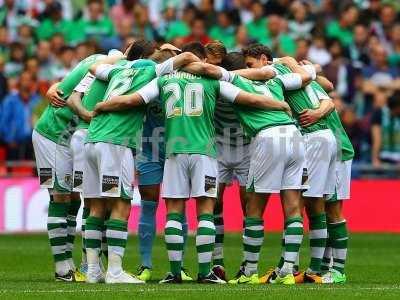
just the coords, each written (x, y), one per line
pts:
(78, 157)
(233, 162)
(190, 175)
(109, 171)
(54, 164)
(343, 180)
(277, 159)
(321, 163)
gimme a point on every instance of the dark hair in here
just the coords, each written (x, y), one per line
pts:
(140, 48)
(234, 61)
(196, 48)
(303, 39)
(65, 49)
(256, 50)
(332, 41)
(216, 48)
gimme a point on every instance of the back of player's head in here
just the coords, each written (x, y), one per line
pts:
(196, 48)
(256, 50)
(162, 55)
(234, 61)
(140, 48)
(215, 52)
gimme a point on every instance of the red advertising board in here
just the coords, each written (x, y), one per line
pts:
(374, 207)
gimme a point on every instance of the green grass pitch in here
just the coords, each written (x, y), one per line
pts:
(26, 272)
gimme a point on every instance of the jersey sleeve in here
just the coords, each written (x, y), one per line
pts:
(150, 91)
(291, 81)
(228, 91)
(85, 83)
(104, 71)
(310, 69)
(270, 67)
(166, 67)
(322, 95)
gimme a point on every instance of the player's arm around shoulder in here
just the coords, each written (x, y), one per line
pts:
(184, 59)
(238, 96)
(299, 75)
(102, 67)
(121, 102)
(264, 73)
(206, 69)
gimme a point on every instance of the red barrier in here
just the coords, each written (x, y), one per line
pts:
(374, 207)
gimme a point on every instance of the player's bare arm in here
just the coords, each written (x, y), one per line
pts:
(238, 96)
(292, 64)
(204, 69)
(309, 117)
(262, 101)
(109, 60)
(326, 84)
(118, 103)
(54, 96)
(184, 59)
(75, 103)
(264, 73)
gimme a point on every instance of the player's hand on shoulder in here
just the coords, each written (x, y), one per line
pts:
(309, 117)
(286, 108)
(287, 60)
(54, 96)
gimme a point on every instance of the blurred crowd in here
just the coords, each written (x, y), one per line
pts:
(356, 42)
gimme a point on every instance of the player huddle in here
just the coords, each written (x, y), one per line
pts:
(188, 122)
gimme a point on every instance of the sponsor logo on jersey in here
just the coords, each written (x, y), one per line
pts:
(109, 184)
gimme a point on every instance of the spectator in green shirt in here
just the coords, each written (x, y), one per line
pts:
(278, 40)
(180, 27)
(96, 25)
(55, 24)
(224, 31)
(257, 29)
(342, 29)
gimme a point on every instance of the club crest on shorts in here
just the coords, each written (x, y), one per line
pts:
(210, 185)
(46, 176)
(68, 179)
(109, 184)
(78, 179)
(304, 178)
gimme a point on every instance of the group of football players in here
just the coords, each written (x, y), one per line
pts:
(188, 122)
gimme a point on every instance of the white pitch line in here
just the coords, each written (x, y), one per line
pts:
(202, 289)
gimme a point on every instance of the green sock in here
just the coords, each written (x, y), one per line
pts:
(218, 253)
(93, 231)
(173, 234)
(71, 226)
(338, 236)
(104, 246)
(117, 236)
(253, 238)
(85, 215)
(318, 237)
(293, 239)
(282, 258)
(205, 240)
(57, 230)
